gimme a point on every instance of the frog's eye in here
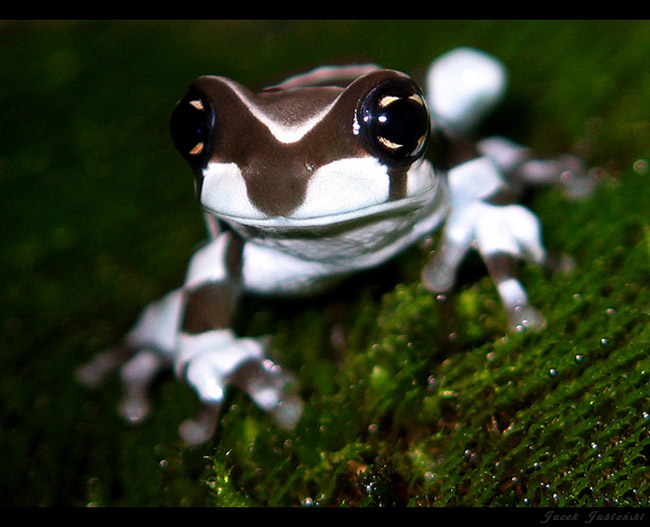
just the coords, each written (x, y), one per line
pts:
(395, 121)
(191, 126)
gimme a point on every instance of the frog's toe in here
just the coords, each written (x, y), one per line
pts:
(93, 373)
(137, 375)
(134, 409)
(525, 318)
(272, 389)
(438, 278)
(202, 427)
(287, 412)
(560, 263)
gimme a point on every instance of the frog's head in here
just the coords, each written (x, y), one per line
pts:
(305, 155)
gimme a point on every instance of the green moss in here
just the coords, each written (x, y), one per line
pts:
(423, 415)
(410, 399)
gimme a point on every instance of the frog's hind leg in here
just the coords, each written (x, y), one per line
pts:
(137, 374)
(145, 351)
(137, 368)
(93, 373)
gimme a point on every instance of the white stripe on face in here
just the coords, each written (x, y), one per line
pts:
(282, 132)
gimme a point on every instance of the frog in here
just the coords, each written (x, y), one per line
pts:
(307, 182)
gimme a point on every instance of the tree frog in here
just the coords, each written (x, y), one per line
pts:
(327, 174)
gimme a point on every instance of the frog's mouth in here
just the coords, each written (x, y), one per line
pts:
(333, 222)
(362, 199)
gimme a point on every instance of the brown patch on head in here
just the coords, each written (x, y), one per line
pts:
(276, 170)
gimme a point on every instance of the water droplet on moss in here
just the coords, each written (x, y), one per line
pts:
(640, 166)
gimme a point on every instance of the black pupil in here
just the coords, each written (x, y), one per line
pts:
(190, 128)
(396, 122)
(403, 122)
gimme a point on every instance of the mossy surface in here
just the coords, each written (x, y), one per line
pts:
(410, 399)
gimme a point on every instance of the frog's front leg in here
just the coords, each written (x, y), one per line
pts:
(213, 360)
(517, 238)
(189, 329)
(502, 234)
